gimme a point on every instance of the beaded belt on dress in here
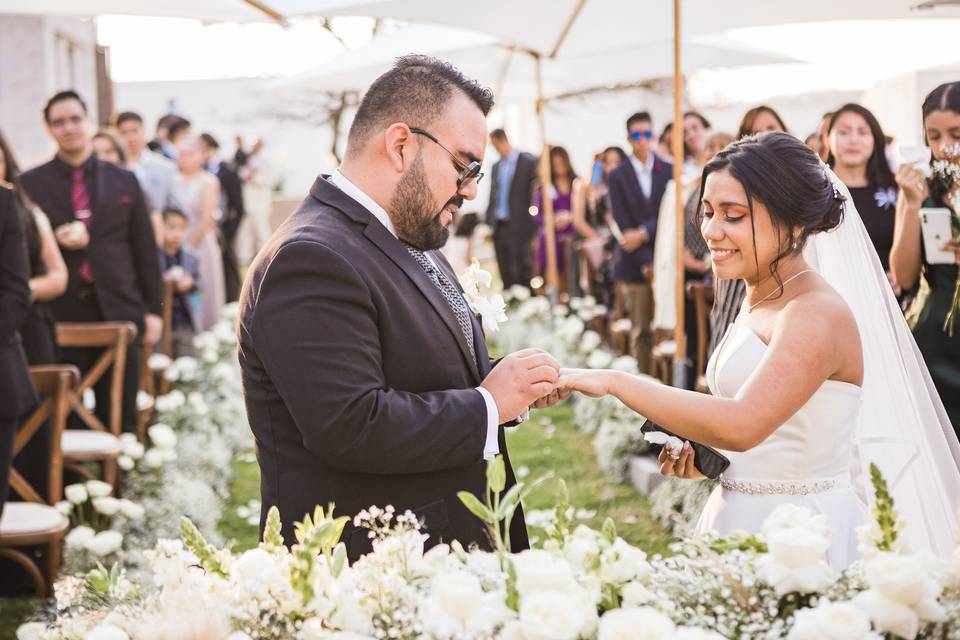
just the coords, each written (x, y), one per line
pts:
(782, 488)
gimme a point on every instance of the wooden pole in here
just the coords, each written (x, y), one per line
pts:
(546, 200)
(679, 360)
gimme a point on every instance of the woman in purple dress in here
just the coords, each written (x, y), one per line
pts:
(567, 193)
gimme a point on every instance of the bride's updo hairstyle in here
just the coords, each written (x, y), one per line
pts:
(788, 178)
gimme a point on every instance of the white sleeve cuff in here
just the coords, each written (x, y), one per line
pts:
(491, 447)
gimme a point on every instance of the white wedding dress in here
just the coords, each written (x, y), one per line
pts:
(806, 461)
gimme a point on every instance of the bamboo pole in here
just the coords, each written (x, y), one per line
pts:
(680, 338)
(546, 200)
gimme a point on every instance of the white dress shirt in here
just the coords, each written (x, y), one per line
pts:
(644, 172)
(491, 447)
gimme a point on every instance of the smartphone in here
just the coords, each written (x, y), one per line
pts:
(935, 223)
(596, 177)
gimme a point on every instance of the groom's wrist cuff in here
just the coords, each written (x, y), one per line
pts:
(491, 447)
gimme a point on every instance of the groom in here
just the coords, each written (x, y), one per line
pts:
(366, 376)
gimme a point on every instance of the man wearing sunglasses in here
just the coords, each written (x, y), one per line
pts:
(636, 188)
(366, 375)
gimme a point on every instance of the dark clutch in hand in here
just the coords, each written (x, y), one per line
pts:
(707, 460)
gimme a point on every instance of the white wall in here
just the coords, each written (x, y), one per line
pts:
(34, 64)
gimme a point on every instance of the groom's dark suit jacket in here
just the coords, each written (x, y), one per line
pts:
(359, 384)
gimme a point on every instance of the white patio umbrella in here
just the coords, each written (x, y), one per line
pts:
(206, 10)
(547, 29)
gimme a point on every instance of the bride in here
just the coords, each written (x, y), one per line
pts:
(816, 378)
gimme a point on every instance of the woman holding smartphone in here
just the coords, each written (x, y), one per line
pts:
(936, 297)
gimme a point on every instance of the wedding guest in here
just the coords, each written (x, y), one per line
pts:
(161, 141)
(636, 188)
(665, 143)
(48, 280)
(597, 236)
(255, 228)
(179, 130)
(18, 392)
(822, 133)
(857, 154)
(180, 266)
(759, 119)
(939, 342)
(231, 208)
(107, 148)
(696, 128)
(199, 192)
(154, 171)
(508, 212)
(566, 194)
(113, 272)
(240, 155)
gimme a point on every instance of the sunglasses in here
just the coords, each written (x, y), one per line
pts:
(468, 172)
(636, 135)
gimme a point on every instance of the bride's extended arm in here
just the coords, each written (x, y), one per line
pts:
(811, 342)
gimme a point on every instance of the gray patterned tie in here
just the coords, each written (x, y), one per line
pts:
(450, 292)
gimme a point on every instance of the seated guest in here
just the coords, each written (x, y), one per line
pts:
(114, 274)
(180, 266)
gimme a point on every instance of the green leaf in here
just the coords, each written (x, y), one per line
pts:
(206, 553)
(459, 551)
(272, 536)
(513, 596)
(339, 560)
(509, 502)
(476, 507)
(496, 474)
(609, 530)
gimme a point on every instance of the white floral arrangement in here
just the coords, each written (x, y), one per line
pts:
(477, 286)
(581, 584)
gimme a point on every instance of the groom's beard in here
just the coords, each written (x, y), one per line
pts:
(412, 210)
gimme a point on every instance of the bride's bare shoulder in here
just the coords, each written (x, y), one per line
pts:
(821, 308)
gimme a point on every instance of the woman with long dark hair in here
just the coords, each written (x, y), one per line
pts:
(567, 193)
(760, 119)
(858, 155)
(938, 295)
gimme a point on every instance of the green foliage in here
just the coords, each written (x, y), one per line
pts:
(209, 557)
(272, 538)
(317, 536)
(883, 511)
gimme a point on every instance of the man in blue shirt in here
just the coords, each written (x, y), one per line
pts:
(508, 211)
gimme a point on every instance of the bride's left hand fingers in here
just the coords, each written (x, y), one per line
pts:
(685, 462)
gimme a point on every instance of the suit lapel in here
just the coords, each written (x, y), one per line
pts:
(391, 247)
(635, 183)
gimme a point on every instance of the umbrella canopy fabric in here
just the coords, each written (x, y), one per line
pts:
(206, 10)
(578, 27)
(513, 74)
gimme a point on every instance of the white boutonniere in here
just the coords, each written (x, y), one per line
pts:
(491, 307)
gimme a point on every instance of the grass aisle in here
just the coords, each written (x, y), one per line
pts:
(547, 443)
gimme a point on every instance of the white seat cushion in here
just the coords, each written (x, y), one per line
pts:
(665, 348)
(86, 442)
(28, 517)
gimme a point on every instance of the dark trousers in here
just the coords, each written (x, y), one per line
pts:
(8, 429)
(231, 272)
(514, 257)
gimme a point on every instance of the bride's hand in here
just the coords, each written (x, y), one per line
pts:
(591, 382)
(681, 467)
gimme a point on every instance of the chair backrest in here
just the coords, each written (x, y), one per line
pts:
(55, 384)
(166, 341)
(114, 338)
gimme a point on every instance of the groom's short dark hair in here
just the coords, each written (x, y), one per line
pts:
(415, 90)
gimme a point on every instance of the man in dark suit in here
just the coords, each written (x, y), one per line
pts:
(508, 212)
(16, 388)
(366, 376)
(231, 206)
(102, 224)
(636, 188)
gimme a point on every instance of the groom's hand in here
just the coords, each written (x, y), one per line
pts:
(557, 395)
(519, 380)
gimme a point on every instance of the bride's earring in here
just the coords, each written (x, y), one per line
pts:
(794, 245)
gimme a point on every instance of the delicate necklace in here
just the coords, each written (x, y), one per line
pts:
(778, 289)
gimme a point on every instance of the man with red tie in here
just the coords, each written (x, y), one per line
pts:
(102, 224)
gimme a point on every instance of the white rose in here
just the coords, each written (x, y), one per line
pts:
(154, 458)
(162, 436)
(599, 359)
(171, 401)
(627, 364)
(131, 510)
(635, 623)
(108, 505)
(255, 572)
(539, 570)
(551, 615)
(106, 632)
(458, 593)
(31, 631)
(635, 594)
(887, 615)
(696, 633)
(105, 543)
(64, 507)
(98, 488)
(79, 537)
(125, 463)
(75, 493)
(622, 563)
(903, 579)
(519, 293)
(130, 446)
(590, 341)
(583, 548)
(832, 621)
(791, 516)
(797, 547)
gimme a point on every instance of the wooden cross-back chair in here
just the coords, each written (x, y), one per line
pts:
(35, 521)
(100, 442)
